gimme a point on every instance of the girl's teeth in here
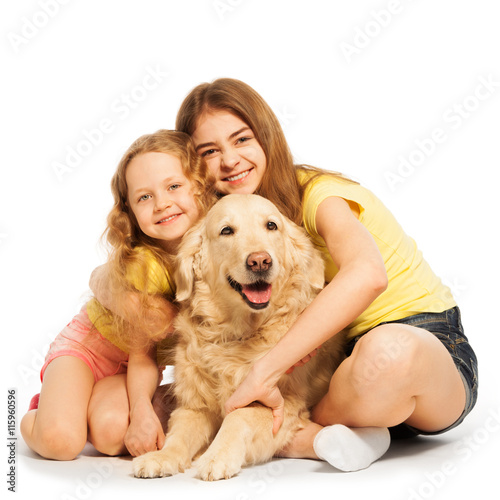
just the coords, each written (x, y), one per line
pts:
(167, 219)
(237, 177)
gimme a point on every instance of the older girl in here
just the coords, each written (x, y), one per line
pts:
(409, 365)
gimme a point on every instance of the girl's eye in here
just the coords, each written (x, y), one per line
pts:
(226, 231)
(272, 226)
(173, 187)
(208, 152)
(145, 197)
(243, 139)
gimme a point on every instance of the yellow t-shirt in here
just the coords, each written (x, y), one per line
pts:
(157, 281)
(413, 287)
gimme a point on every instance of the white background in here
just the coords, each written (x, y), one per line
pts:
(357, 86)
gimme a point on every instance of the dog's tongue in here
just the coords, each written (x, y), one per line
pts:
(257, 293)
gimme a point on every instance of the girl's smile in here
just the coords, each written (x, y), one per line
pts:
(235, 179)
(168, 220)
(233, 154)
(161, 197)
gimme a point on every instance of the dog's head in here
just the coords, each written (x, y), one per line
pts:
(246, 250)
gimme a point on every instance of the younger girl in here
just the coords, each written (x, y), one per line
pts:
(408, 361)
(100, 374)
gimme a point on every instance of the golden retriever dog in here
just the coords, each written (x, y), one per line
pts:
(245, 272)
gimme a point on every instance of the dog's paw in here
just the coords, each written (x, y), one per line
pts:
(212, 467)
(158, 464)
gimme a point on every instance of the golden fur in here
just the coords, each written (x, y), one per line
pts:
(221, 335)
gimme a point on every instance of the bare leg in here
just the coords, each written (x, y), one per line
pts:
(58, 428)
(396, 373)
(302, 444)
(108, 415)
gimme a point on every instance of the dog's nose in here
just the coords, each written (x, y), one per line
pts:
(259, 261)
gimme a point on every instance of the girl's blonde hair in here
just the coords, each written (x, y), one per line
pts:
(279, 183)
(124, 235)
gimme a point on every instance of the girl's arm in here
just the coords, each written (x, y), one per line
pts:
(127, 304)
(145, 432)
(360, 280)
(99, 285)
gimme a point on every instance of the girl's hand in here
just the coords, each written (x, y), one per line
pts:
(145, 432)
(265, 392)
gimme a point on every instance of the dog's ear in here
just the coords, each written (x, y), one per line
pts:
(304, 255)
(189, 261)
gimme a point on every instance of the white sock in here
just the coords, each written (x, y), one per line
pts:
(351, 449)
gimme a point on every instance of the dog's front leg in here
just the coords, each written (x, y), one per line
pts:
(188, 432)
(245, 437)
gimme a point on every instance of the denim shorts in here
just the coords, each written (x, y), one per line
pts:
(447, 327)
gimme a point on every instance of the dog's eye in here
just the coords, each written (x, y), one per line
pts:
(226, 230)
(272, 226)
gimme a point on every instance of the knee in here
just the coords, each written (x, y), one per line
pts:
(60, 441)
(384, 354)
(107, 432)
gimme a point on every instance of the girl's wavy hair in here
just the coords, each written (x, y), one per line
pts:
(124, 235)
(279, 183)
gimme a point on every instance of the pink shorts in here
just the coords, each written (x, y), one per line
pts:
(81, 339)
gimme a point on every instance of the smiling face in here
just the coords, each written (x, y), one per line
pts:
(161, 197)
(233, 154)
(242, 263)
(245, 236)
